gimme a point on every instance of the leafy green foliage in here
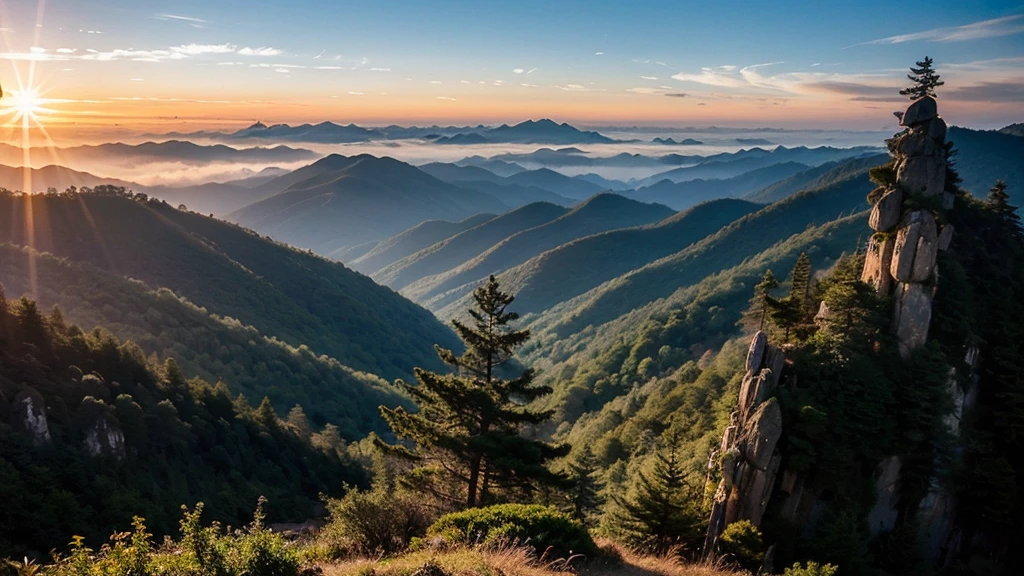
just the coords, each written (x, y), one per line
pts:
(741, 542)
(811, 569)
(123, 437)
(541, 527)
(201, 551)
(376, 521)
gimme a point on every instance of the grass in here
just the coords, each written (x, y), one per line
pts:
(519, 561)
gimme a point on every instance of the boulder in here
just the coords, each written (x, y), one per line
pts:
(937, 129)
(886, 213)
(902, 265)
(913, 315)
(755, 354)
(748, 392)
(927, 249)
(921, 110)
(762, 434)
(918, 143)
(877, 262)
(774, 360)
(924, 175)
(945, 237)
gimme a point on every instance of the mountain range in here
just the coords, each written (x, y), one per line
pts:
(178, 151)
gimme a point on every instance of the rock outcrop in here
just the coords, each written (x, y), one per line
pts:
(104, 438)
(29, 415)
(908, 224)
(748, 458)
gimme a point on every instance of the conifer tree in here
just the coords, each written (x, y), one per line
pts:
(999, 202)
(762, 303)
(584, 485)
(925, 80)
(663, 512)
(791, 312)
(467, 428)
(266, 415)
(800, 285)
(298, 422)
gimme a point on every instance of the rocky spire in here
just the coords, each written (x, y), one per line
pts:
(908, 220)
(747, 459)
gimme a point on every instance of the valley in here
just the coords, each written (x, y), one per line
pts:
(438, 345)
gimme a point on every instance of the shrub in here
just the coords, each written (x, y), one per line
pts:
(547, 530)
(811, 569)
(742, 541)
(376, 521)
(260, 552)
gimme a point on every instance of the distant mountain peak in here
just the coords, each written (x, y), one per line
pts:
(257, 126)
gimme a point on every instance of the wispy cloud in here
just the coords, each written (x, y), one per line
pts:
(993, 28)
(197, 49)
(578, 88)
(518, 71)
(261, 51)
(446, 98)
(194, 22)
(180, 52)
(648, 77)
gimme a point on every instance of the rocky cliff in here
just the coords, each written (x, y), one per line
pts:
(747, 460)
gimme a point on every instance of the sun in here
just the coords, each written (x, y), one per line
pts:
(27, 103)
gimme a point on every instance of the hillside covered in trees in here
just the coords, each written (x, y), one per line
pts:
(91, 434)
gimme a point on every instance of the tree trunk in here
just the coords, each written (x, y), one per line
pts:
(474, 478)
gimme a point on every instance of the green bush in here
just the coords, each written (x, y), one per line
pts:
(811, 569)
(551, 533)
(374, 521)
(260, 552)
(742, 542)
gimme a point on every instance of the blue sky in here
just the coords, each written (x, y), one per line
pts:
(786, 63)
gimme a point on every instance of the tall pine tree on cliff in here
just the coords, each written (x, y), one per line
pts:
(925, 80)
(467, 429)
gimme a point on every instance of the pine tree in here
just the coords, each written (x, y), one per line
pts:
(791, 313)
(584, 485)
(298, 422)
(467, 429)
(925, 80)
(662, 513)
(800, 285)
(761, 303)
(999, 202)
(266, 415)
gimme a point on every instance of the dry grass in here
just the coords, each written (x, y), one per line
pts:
(520, 561)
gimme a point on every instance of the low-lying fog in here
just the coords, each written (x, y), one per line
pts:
(713, 141)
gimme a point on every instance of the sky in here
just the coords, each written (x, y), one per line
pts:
(146, 65)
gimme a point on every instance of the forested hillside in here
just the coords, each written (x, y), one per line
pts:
(293, 296)
(465, 245)
(92, 434)
(598, 214)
